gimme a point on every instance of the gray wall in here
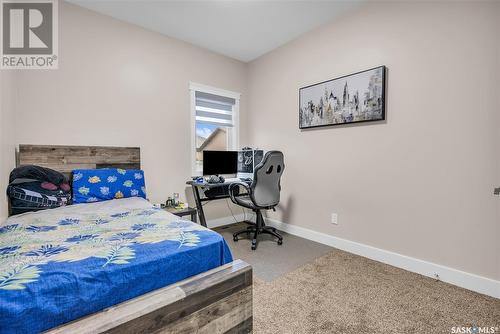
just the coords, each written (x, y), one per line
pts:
(118, 84)
(7, 161)
(420, 184)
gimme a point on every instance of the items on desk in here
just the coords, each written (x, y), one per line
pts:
(215, 179)
(242, 163)
(170, 204)
(173, 201)
(231, 162)
(215, 186)
(248, 158)
(181, 205)
(209, 179)
(198, 179)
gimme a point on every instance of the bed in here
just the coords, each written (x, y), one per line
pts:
(119, 266)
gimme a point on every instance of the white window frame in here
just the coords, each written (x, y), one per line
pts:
(234, 145)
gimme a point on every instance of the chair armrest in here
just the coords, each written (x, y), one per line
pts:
(233, 186)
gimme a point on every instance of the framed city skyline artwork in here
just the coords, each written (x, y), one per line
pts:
(354, 98)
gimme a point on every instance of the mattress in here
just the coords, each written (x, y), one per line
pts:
(61, 264)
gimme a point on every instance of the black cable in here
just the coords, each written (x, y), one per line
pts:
(232, 214)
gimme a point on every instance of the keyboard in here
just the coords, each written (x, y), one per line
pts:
(236, 179)
(232, 179)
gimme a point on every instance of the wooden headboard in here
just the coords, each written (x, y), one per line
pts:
(66, 158)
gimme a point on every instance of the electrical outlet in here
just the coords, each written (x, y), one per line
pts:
(335, 219)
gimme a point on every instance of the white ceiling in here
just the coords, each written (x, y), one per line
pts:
(243, 30)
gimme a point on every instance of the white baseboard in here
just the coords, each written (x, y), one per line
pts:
(456, 277)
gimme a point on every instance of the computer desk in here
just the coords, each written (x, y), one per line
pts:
(196, 186)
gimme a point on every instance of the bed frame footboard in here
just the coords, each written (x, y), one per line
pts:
(216, 301)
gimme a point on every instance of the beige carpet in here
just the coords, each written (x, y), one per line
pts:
(345, 293)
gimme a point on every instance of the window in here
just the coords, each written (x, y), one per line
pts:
(215, 125)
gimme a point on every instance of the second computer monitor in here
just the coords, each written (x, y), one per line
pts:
(220, 162)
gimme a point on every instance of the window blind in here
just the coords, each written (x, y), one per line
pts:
(214, 109)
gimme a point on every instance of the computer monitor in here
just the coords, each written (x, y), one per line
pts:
(220, 162)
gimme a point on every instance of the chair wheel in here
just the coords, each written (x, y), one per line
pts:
(254, 247)
(280, 242)
(235, 238)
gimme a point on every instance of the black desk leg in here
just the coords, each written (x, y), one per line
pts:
(199, 206)
(193, 217)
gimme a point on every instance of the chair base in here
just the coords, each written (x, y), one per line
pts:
(256, 229)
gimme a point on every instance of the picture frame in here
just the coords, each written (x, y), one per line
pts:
(355, 98)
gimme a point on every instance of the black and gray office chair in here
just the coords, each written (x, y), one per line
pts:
(262, 194)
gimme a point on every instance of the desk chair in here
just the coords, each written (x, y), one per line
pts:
(263, 194)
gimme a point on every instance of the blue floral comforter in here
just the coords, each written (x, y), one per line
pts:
(59, 265)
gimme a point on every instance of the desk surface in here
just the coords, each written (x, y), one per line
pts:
(214, 185)
(175, 210)
(205, 187)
